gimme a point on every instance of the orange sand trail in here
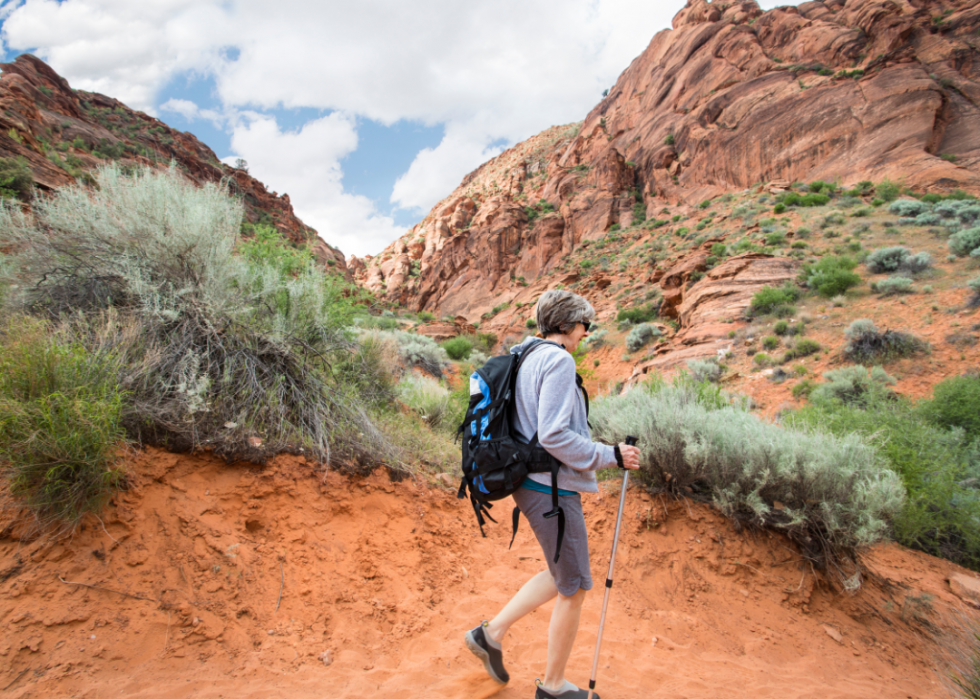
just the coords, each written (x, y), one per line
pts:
(380, 579)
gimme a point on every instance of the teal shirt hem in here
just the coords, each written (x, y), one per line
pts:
(542, 488)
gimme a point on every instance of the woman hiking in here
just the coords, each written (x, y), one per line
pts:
(551, 402)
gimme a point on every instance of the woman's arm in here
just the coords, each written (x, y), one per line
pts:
(556, 401)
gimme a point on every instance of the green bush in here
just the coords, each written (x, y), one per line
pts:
(60, 422)
(956, 403)
(719, 249)
(458, 348)
(16, 179)
(531, 323)
(965, 243)
(266, 246)
(640, 314)
(835, 494)
(770, 342)
(779, 208)
(974, 285)
(941, 515)
(781, 327)
(640, 336)
(831, 276)
(887, 191)
(802, 348)
(772, 301)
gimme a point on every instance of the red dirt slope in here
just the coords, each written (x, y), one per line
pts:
(380, 579)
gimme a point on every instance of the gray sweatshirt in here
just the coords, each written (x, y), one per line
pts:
(549, 401)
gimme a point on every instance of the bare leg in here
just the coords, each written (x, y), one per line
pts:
(535, 592)
(561, 637)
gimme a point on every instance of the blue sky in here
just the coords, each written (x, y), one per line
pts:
(365, 113)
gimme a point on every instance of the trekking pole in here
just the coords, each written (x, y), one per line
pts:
(631, 441)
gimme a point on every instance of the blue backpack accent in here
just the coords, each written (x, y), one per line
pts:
(494, 461)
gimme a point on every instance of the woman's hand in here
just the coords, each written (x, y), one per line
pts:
(631, 456)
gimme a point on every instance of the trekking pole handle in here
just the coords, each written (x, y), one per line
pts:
(630, 441)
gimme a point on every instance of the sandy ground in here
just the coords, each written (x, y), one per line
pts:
(379, 580)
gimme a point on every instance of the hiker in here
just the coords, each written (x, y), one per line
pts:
(551, 402)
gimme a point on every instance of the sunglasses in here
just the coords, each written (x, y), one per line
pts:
(587, 324)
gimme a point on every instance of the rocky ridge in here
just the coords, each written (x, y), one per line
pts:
(729, 98)
(62, 134)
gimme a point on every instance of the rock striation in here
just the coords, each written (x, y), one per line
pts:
(729, 97)
(62, 134)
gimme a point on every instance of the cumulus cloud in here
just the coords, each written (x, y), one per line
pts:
(489, 71)
(306, 165)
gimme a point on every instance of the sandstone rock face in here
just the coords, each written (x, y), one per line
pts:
(40, 114)
(966, 587)
(729, 97)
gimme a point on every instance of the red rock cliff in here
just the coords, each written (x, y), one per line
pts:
(731, 96)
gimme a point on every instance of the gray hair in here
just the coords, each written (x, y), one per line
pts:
(558, 311)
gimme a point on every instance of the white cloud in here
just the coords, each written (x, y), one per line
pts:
(306, 165)
(436, 172)
(487, 71)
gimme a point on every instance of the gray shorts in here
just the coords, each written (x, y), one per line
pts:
(571, 572)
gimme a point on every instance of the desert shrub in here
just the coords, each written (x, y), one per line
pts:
(426, 317)
(853, 385)
(458, 348)
(969, 214)
(956, 403)
(894, 285)
(640, 314)
(802, 348)
(770, 342)
(965, 242)
(16, 179)
(702, 370)
(640, 336)
(835, 494)
(774, 301)
(781, 327)
(531, 323)
(761, 359)
(426, 396)
(887, 190)
(927, 219)
(887, 259)
(948, 208)
(215, 349)
(865, 343)
(908, 208)
(919, 262)
(60, 422)
(596, 339)
(974, 285)
(420, 351)
(831, 276)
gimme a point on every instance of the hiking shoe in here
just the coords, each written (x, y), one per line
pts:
(569, 691)
(493, 660)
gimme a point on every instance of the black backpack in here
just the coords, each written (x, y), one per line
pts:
(495, 462)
